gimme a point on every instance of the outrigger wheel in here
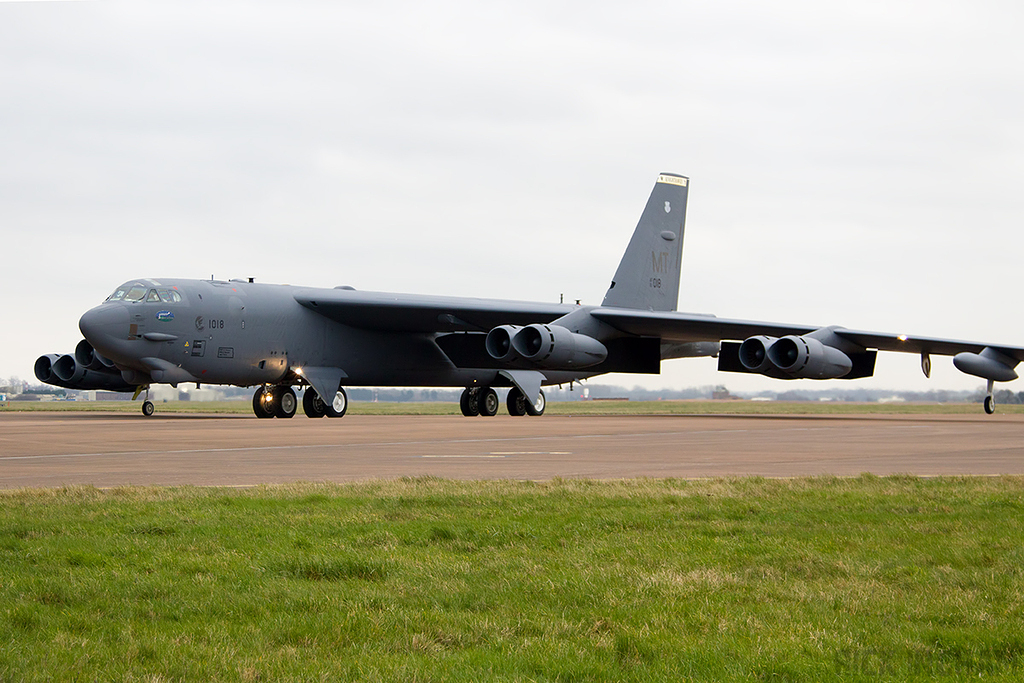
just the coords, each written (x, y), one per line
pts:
(990, 404)
(990, 399)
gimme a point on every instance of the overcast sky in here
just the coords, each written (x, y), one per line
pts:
(851, 163)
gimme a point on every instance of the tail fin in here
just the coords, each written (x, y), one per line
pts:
(648, 274)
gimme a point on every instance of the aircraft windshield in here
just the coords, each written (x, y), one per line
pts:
(136, 291)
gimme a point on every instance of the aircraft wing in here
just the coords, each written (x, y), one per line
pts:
(690, 327)
(911, 344)
(388, 312)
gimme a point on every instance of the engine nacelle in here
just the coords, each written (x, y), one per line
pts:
(499, 343)
(807, 358)
(86, 355)
(555, 347)
(793, 357)
(44, 368)
(754, 354)
(65, 371)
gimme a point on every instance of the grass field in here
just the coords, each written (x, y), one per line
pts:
(426, 580)
(560, 408)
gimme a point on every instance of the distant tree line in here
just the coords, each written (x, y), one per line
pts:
(15, 386)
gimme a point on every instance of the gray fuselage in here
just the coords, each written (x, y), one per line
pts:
(245, 333)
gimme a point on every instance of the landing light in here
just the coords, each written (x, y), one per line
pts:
(902, 338)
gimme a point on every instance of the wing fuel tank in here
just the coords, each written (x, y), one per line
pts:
(989, 364)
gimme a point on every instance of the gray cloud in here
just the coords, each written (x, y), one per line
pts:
(853, 165)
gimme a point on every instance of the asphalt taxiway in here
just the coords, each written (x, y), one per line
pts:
(58, 449)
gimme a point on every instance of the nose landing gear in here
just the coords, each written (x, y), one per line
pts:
(147, 406)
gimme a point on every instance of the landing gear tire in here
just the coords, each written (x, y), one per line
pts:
(537, 409)
(990, 404)
(148, 408)
(285, 402)
(469, 404)
(339, 406)
(516, 402)
(312, 404)
(487, 402)
(263, 403)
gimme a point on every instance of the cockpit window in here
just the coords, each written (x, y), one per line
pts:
(137, 291)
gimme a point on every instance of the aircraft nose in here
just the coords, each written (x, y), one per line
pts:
(103, 323)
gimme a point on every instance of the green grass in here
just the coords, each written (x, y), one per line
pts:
(559, 408)
(426, 580)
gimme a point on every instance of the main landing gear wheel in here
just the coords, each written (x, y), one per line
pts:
(487, 402)
(312, 404)
(148, 408)
(285, 402)
(339, 406)
(537, 409)
(516, 402)
(468, 402)
(263, 403)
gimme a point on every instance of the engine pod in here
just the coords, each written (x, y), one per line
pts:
(808, 358)
(555, 347)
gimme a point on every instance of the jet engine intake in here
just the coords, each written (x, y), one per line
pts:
(555, 347)
(754, 353)
(499, 343)
(67, 372)
(44, 368)
(86, 355)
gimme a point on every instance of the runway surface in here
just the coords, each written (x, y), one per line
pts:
(57, 449)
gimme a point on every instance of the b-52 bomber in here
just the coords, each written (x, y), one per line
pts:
(278, 337)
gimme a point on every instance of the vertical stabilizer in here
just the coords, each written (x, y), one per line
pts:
(648, 274)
